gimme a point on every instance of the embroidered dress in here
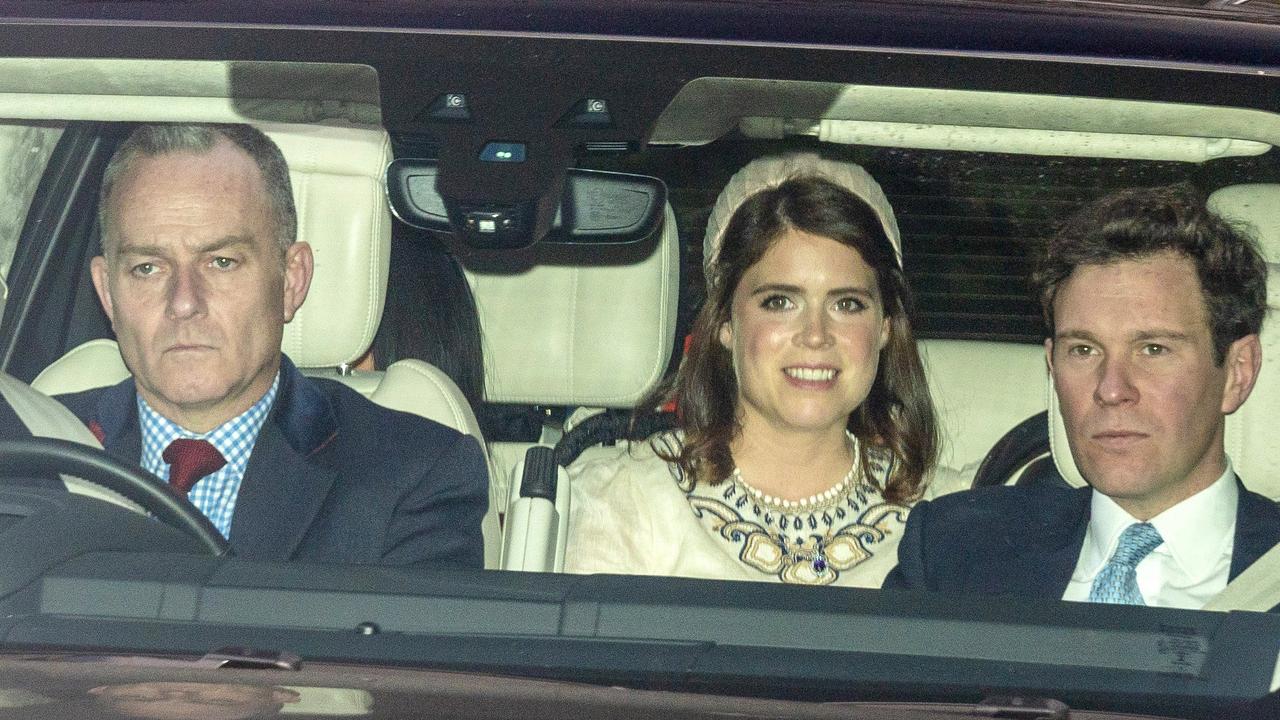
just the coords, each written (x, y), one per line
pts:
(632, 513)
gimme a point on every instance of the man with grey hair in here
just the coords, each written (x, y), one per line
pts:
(199, 273)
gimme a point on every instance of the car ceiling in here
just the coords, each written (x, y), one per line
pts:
(523, 68)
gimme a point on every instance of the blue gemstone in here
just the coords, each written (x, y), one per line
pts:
(819, 565)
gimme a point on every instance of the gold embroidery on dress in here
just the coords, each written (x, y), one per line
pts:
(809, 547)
(817, 558)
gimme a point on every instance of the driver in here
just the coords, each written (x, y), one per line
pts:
(1153, 306)
(199, 273)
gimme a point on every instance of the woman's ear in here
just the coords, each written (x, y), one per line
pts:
(726, 335)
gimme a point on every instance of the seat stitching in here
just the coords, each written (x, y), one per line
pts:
(447, 394)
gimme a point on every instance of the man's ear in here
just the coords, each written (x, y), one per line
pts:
(1048, 354)
(299, 266)
(1243, 361)
(102, 284)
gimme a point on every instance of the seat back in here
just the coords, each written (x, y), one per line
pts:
(338, 185)
(980, 389)
(579, 326)
(570, 326)
(1251, 441)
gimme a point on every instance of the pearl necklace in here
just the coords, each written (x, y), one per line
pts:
(813, 501)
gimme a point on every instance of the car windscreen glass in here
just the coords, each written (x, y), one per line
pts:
(978, 172)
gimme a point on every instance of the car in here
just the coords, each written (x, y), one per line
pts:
(556, 164)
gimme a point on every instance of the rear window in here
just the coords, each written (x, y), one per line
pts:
(971, 221)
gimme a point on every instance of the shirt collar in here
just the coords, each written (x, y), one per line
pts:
(158, 431)
(1210, 513)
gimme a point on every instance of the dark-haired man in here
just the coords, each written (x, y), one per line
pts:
(1153, 306)
(199, 273)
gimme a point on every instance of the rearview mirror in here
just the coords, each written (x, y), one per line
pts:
(596, 207)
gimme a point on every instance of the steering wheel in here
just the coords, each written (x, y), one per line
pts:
(1025, 448)
(49, 456)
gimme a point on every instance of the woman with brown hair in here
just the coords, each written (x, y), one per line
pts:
(805, 424)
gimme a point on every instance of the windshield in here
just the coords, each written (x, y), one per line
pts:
(807, 368)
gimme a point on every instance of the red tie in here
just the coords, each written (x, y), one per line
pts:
(190, 460)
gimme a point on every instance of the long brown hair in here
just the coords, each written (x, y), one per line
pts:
(897, 415)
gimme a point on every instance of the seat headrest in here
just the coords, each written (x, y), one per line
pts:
(338, 186)
(1251, 443)
(580, 326)
(1058, 443)
(1253, 206)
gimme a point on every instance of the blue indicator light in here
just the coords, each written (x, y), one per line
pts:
(503, 152)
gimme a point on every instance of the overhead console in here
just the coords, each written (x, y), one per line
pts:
(495, 171)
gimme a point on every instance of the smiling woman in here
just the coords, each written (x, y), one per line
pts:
(805, 427)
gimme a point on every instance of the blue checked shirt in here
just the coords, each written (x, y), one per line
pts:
(214, 494)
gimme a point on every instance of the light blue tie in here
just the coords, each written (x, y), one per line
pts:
(1117, 581)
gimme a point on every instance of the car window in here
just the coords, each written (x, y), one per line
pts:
(981, 155)
(970, 221)
(25, 149)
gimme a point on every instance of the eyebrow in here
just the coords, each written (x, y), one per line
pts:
(220, 244)
(797, 290)
(1142, 336)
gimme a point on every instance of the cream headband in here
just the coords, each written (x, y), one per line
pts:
(770, 172)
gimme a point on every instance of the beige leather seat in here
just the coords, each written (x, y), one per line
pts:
(338, 184)
(1250, 435)
(981, 389)
(570, 326)
(1252, 443)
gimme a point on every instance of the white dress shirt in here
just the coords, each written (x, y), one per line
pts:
(1189, 567)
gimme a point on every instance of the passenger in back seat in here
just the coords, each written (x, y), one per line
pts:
(429, 315)
(1153, 305)
(806, 428)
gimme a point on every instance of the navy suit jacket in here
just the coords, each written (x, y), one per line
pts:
(334, 477)
(1026, 540)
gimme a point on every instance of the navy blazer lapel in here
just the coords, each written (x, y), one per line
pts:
(115, 422)
(1051, 548)
(1257, 529)
(280, 496)
(285, 483)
